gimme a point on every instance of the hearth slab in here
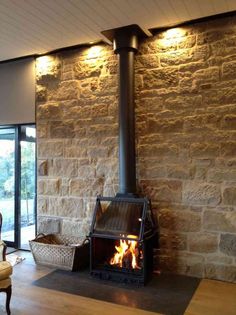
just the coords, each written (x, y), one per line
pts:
(166, 294)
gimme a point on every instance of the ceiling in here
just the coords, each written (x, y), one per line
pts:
(30, 27)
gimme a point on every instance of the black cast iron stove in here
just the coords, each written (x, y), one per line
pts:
(122, 236)
(122, 231)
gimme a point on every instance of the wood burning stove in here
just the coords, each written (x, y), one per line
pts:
(122, 235)
(122, 230)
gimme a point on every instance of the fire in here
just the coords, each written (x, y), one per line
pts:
(126, 254)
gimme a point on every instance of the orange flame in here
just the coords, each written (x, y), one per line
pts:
(127, 250)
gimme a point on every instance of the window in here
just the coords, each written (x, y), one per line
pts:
(17, 184)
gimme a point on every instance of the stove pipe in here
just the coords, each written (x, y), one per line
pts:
(125, 43)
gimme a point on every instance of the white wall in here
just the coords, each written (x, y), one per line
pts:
(17, 92)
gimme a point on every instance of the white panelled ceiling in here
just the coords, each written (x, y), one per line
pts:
(30, 27)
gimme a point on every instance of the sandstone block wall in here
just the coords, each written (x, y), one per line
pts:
(186, 125)
(77, 134)
(185, 134)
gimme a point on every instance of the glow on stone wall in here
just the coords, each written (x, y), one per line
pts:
(172, 36)
(43, 64)
(94, 52)
(47, 65)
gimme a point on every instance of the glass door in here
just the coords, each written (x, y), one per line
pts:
(27, 185)
(17, 184)
(8, 183)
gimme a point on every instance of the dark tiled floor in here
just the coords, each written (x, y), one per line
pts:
(166, 294)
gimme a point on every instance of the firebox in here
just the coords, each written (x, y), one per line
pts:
(122, 235)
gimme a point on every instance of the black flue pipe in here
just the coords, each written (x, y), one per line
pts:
(127, 160)
(125, 42)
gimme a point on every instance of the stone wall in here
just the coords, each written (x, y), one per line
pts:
(186, 142)
(77, 134)
(186, 122)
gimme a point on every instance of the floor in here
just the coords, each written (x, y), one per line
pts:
(211, 297)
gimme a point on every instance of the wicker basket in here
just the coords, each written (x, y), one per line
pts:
(60, 251)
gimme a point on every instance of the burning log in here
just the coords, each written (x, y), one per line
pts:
(127, 260)
(127, 254)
